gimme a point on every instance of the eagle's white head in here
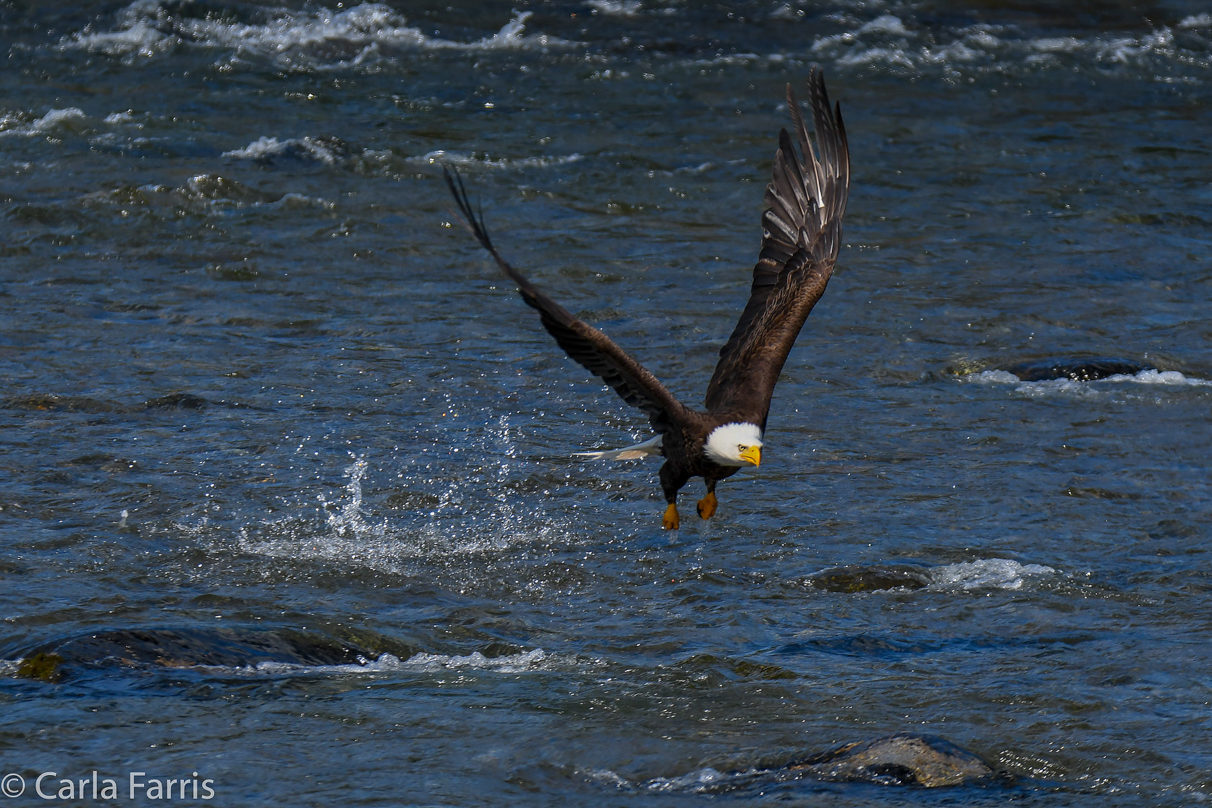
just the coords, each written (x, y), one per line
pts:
(735, 445)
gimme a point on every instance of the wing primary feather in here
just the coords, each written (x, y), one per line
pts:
(801, 234)
(801, 133)
(585, 344)
(797, 122)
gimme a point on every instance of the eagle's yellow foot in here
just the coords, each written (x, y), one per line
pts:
(670, 522)
(707, 505)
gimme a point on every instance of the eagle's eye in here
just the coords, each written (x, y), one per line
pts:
(740, 447)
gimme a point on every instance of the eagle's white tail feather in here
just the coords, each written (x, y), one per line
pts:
(640, 450)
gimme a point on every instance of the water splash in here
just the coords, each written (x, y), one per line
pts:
(522, 662)
(350, 537)
(472, 515)
(988, 573)
(348, 521)
(460, 524)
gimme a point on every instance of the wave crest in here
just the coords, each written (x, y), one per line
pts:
(292, 39)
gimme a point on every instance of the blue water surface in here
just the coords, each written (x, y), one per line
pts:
(257, 378)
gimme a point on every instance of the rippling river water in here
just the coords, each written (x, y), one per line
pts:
(288, 497)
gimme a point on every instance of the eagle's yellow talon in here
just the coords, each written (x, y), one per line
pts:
(670, 522)
(707, 505)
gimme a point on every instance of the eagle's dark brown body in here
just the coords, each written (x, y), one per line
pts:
(682, 449)
(801, 235)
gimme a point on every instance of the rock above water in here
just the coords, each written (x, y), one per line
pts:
(870, 578)
(902, 759)
(1078, 370)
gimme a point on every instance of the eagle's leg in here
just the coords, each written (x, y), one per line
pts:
(708, 503)
(672, 481)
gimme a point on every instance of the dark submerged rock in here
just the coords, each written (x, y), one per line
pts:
(1078, 370)
(190, 648)
(175, 401)
(736, 668)
(870, 578)
(49, 402)
(902, 759)
(52, 402)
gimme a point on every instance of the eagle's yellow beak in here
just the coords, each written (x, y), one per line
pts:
(752, 454)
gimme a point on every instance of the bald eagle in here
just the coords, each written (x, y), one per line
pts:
(801, 233)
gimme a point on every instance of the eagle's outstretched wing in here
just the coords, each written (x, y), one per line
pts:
(801, 233)
(581, 341)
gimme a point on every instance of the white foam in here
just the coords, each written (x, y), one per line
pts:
(126, 116)
(981, 37)
(323, 37)
(616, 8)
(266, 147)
(523, 662)
(735, 59)
(1125, 50)
(137, 33)
(51, 121)
(140, 39)
(608, 777)
(697, 781)
(537, 659)
(691, 781)
(361, 25)
(886, 24)
(881, 56)
(992, 377)
(56, 118)
(1066, 44)
(950, 54)
(510, 38)
(1040, 389)
(989, 573)
(1171, 378)
(441, 156)
(885, 42)
(201, 194)
(294, 200)
(148, 27)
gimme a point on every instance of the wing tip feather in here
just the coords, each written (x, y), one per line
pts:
(808, 194)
